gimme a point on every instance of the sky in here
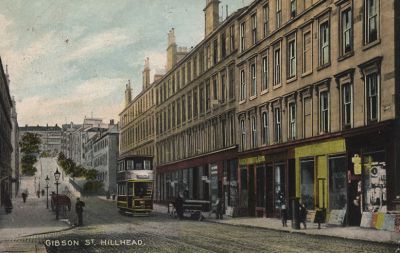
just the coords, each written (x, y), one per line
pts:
(68, 59)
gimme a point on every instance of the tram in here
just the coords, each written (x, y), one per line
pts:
(135, 184)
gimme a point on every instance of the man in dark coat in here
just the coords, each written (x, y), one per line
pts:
(179, 206)
(24, 195)
(303, 214)
(79, 210)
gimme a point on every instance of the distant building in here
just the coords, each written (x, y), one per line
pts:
(66, 139)
(105, 155)
(80, 139)
(50, 137)
(15, 158)
(6, 146)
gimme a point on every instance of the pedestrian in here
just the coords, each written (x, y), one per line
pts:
(38, 193)
(284, 215)
(220, 208)
(7, 203)
(79, 210)
(42, 192)
(179, 206)
(24, 195)
(319, 216)
(303, 214)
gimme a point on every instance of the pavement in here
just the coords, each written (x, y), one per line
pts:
(352, 233)
(27, 219)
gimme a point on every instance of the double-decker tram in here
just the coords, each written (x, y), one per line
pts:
(135, 184)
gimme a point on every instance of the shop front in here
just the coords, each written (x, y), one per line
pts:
(321, 175)
(266, 182)
(200, 178)
(373, 177)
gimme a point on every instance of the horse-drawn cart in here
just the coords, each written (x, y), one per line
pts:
(62, 201)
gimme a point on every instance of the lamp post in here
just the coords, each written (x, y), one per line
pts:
(57, 177)
(47, 191)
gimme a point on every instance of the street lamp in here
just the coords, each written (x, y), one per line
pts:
(47, 191)
(57, 177)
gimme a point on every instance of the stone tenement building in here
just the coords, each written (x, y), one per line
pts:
(137, 119)
(50, 137)
(105, 155)
(6, 146)
(283, 99)
(318, 105)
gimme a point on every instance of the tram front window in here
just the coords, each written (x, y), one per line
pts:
(142, 189)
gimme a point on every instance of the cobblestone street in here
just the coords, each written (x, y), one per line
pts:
(33, 228)
(106, 230)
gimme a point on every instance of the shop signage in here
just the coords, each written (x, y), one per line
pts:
(356, 160)
(252, 160)
(142, 176)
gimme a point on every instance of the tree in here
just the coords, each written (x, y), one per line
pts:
(30, 147)
(30, 143)
(27, 162)
(91, 174)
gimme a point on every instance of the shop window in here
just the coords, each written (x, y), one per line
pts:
(214, 183)
(337, 182)
(374, 175)
(243, 186)
(260, 170)
(279, 170)
(307, 182)
(233, 183)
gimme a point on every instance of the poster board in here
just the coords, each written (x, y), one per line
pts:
(388, 223)
(397, 223)
(310, 216)
(366, 220)
(336, 217)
